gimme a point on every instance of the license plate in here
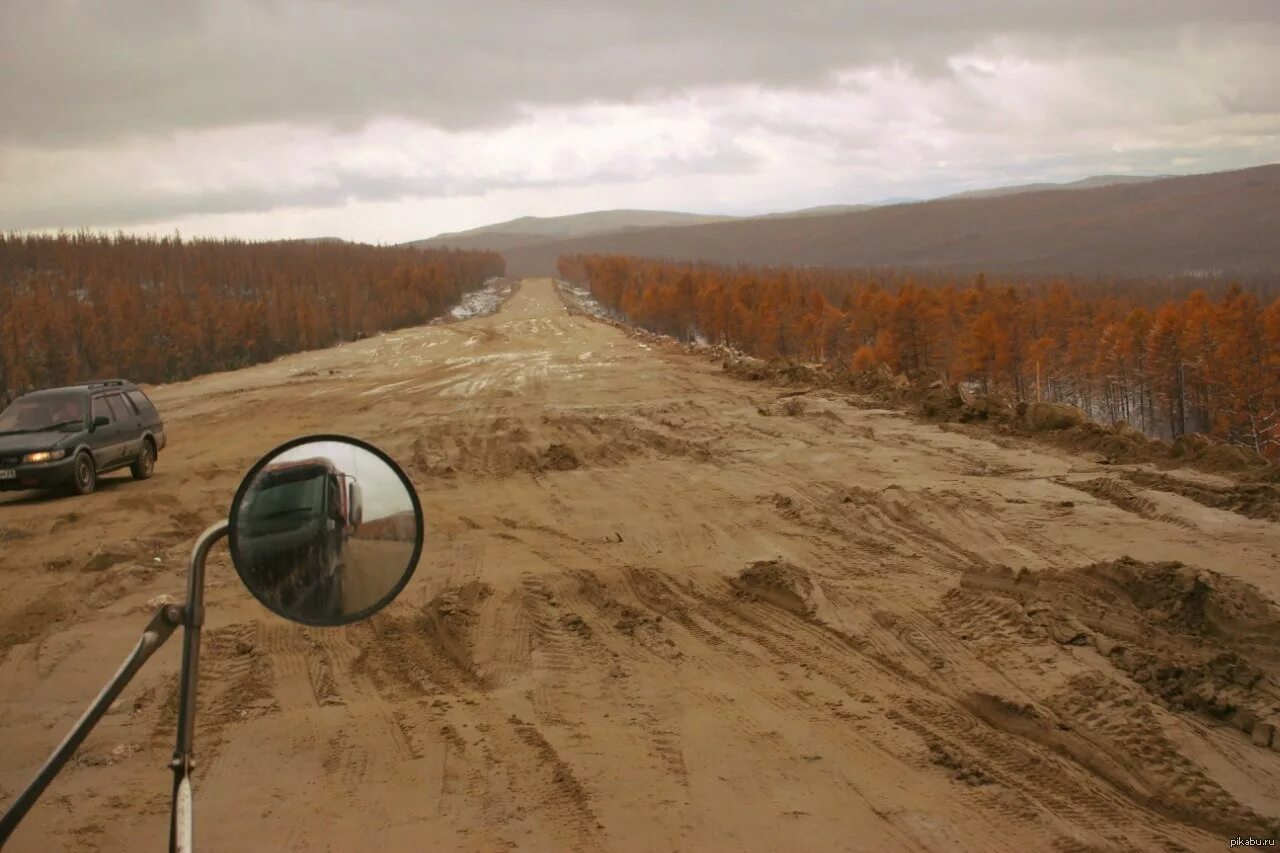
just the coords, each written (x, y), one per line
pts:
(8, 474)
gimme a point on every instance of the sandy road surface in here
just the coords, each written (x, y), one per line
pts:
(659, 609)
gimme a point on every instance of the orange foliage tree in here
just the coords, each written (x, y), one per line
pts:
(1166, 357)
(157, 310)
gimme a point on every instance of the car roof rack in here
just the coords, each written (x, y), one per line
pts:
(103, 383)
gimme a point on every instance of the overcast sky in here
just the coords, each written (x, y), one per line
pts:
(391, 121)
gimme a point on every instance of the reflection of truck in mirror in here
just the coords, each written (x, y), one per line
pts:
(295, 522)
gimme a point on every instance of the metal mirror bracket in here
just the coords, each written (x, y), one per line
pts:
(181, 823)
(189, 615)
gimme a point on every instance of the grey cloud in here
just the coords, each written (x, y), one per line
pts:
(94, 94)
(97, 71)
(76, 207)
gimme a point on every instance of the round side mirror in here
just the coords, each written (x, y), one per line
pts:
(326, 530)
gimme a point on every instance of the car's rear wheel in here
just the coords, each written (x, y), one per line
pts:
(145, 464)
(84, 477)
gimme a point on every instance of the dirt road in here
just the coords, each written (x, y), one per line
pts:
(658, 609)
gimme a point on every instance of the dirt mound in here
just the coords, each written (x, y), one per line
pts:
(1064, 628)
(431, 461)
(606, 438)
(1067, 427)
(451, 616)
(1197, 601)
(1219, 687)
(1254, 500)
(1270, 473)
(558, 457)
(1214, 456)
(781, 371)
(1117, 443)
(942, 403)
(780, 583)
(746, 368)
(953, 403)
(564, 441)
(1116, 492)
(485, 447)
(1044, 417)
(1230, 457)
(1124, 443)
(1196, 640)
(791, 407)
(1189, 446)
(984, 407)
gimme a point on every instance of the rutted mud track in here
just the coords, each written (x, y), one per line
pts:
(659, 609)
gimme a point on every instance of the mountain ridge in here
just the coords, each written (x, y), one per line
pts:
(526, 231)
(1213, 223)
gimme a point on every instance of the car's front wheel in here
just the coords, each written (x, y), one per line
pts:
(84, 475)
(145, 464)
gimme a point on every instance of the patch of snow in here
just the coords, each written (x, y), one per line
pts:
(487, 300)
(581, 298)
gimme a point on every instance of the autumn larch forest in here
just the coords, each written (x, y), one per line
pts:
(1169, 358)
(79, 306)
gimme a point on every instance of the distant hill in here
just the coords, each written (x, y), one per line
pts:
(531, 230)
(1197, 224)
(534, 230)
(1085, 184)
(824, 210)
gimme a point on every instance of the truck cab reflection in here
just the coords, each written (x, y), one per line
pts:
(294, 529)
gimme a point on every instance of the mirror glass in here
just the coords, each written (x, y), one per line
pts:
(326, 530)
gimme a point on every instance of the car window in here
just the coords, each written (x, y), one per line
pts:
(100, 410)
(119, 409)
(141, 403)
(51, 411)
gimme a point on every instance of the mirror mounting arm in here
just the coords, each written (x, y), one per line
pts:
(165, 621)
(181, 830)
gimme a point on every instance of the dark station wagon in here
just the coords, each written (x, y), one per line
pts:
(66, 437)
